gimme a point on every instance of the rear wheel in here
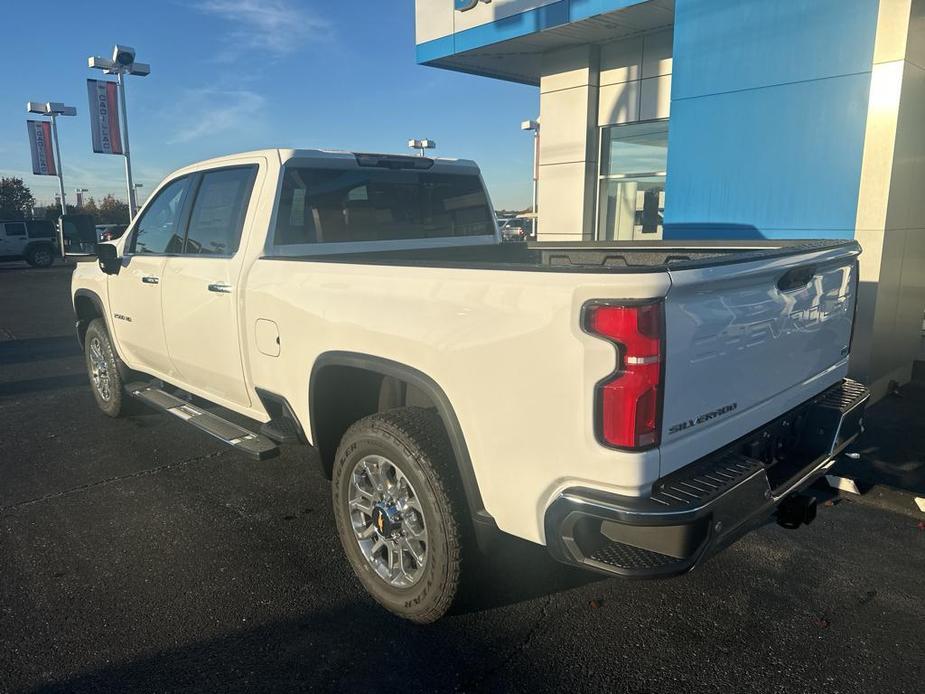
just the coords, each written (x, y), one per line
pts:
(105, 380)
(399, 513)
(40, 256)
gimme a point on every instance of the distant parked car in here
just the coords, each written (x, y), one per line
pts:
(32, 241)
(517, 229)
(110, 232)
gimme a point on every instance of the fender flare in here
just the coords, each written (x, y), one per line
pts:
(95, 299)
(482, 520)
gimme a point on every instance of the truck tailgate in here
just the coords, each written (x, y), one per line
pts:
(746, 341)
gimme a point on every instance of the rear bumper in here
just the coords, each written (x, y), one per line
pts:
(707, 505)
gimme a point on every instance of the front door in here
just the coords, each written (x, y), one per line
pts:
(13, 241)
(201, 287)
(135, 293)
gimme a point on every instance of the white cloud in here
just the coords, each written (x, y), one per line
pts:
(276, 27)
(208, 112)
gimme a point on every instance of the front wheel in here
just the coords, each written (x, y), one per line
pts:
(399, 512)
(101, 367)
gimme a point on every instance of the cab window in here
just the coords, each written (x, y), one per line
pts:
(15, 229)
(158, 230)
(218, 211)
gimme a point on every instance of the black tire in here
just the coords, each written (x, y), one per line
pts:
(414, 440)
(112, 399)
(40, 256)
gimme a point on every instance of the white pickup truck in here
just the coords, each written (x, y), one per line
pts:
(634, 407)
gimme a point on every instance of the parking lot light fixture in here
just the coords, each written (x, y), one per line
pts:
(121, 64)
(53, 109)
(422, 145)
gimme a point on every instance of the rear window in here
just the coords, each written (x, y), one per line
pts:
(218, 211)
(320, 205)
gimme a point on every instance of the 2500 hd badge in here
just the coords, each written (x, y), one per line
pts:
(705, 417)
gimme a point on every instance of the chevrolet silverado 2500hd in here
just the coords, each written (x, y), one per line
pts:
(634, 407)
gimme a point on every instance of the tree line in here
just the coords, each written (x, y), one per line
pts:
(17, 202)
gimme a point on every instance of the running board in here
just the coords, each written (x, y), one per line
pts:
(254, 445)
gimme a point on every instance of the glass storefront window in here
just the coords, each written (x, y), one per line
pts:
(631, 201)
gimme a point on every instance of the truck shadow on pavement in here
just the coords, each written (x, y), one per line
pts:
(892, 448)
(357, 646)
(34, 385)
(22, 361)
(38, 348)
(364, 650)
(516, 571)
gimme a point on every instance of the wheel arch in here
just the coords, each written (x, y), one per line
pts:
(38, 242)
(87, 306)
(326, 431)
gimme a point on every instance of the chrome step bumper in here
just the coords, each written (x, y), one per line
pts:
(696, 511)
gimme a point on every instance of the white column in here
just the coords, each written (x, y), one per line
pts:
(890, 222)
(568, 165)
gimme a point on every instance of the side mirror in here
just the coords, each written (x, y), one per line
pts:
(108, 257)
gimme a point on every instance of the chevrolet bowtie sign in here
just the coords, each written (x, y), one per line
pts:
(466, 5)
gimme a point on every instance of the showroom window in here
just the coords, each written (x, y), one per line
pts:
(631, 202)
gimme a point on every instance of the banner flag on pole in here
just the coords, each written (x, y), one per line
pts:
(104, 117)
(43, 157)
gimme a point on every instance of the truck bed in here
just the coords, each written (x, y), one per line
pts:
(754, 327)
(586, 257)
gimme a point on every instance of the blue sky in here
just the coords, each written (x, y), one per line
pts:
(234, 75)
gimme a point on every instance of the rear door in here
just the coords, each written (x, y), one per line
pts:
(200, 289)
(747, 341)
(135, 292)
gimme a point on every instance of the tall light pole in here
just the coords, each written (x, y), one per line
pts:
(53, 109)
(422, 145)
(534, 125)
(122, 64)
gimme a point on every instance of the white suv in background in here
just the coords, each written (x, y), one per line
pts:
(32, 241)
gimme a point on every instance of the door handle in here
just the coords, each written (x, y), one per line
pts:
(797, 278)
(150, 279)
(220, 288)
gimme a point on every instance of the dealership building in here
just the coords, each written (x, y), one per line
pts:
(723, 119)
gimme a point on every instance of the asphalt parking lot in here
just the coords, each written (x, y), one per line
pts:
(139, 555)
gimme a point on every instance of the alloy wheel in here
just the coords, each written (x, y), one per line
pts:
(388, 521)
(99, 369)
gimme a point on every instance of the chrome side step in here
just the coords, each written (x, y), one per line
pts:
(254, 445)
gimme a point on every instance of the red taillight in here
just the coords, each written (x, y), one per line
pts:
(628, 401)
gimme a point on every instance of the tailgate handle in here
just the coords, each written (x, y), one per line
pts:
(797, 278)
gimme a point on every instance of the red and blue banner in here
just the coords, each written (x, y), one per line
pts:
(104, 116)
(40, 144)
